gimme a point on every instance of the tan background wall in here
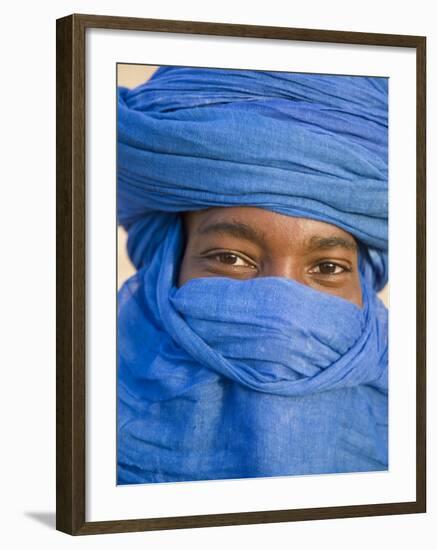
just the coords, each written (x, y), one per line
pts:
(131, 76)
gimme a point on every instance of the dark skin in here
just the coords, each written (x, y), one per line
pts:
(246, 242)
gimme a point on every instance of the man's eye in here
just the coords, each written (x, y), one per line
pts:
(328, 268)
(229, 258)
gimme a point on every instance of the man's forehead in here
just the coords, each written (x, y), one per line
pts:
(261, 225)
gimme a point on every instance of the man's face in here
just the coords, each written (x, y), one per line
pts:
(248, 242)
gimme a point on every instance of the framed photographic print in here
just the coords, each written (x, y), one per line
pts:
(240, 274)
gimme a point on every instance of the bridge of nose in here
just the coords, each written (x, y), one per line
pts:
(284, 266)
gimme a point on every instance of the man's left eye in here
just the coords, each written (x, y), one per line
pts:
(328, 268)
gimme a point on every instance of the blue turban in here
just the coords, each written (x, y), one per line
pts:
(223, 378)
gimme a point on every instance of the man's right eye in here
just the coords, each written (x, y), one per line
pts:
(231, 259)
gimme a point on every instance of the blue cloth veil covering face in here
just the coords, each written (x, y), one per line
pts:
(223, 378)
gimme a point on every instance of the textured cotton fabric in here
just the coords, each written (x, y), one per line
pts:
(228, 379)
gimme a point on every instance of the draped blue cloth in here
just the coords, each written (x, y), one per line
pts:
(221, 378)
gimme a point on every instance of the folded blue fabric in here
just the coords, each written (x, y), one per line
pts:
(223, 378)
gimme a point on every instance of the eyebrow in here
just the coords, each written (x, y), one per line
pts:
(234, 229)
(243, 231)
(317, 242)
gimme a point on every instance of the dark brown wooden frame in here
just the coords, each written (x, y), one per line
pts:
(70, 274)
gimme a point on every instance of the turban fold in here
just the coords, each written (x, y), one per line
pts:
(222, 378)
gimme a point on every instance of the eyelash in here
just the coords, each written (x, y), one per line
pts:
(343, 268)
(217, 254)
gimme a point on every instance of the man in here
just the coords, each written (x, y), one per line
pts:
(251, 341)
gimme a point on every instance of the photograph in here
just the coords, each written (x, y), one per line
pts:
(252, 271)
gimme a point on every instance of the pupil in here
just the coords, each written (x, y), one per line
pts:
(327, 268)
(229, 258)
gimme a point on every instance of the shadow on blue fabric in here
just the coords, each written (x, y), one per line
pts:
(222, 378)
